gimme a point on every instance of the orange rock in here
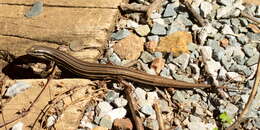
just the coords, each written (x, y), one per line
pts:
(176, 42)
(158, 64)
(100, 128)
(224, 42)
(129, 48)
(151, 46)
(123, 124)
(254, 28)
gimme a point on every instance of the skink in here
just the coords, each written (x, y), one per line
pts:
(105, 71)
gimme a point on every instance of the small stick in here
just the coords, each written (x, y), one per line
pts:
(200, 20)
(132, 105)
(159, 116)
(1, 105)
(249, 101)
(244, 14)
(134, 7)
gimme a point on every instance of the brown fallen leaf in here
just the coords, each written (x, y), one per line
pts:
(176, 42)
(254, 28)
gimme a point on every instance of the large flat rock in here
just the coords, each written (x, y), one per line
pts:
(61, 22)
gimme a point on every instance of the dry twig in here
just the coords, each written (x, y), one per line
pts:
(134, 7)
(244, 14)
(250, 100)
(159, 116)
(200, 20)
(132, 105)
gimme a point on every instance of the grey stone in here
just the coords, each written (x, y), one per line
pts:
(231, 109)
(217, 24)
(243, 22)
(199, 111)
(250, 83)
(117, 113)
(206, 52)
(140, 94)
(164, 106)
(179, 96)
(253, 36)
(115, 59)
(170, 11)
(17, 88)
(205, 8)
(111, 96)
(233, 41)
(212, 68)
(224, 12)
(168, 20)
(229, 50)
(147, 57)
(183, 78)
(227, 30)
(120, 102)
(249, 50)
(147, 110)
(103, 108)
(241, 68)
(151, 124)
(158, 29)
(120, 34)
(36, 9)
(152, 97)
(165, 72)
(257, 123)
(227, 62)
(194, 55)
(244, 97)
(106, 121)
(194, 118)
(222, 73)
(158, 54)
(243, 39)
(155, 15)
(235, 76)
(51, 120)
(172, 68)
(238, 55)
(218, 53)
(181, 18)
(131, 24)
(196, 126)
(212, 43)
(174, 27)
(18, 126)
(218, 36)
(182, 61)
(252, 60)
(153, 38)
(242, 29)
(235, 22)
(192, 47)
(142, 30)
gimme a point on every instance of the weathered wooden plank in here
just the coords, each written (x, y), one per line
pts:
(70, 3)
(58, 24)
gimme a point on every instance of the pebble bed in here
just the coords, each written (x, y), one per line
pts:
(233, 65)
